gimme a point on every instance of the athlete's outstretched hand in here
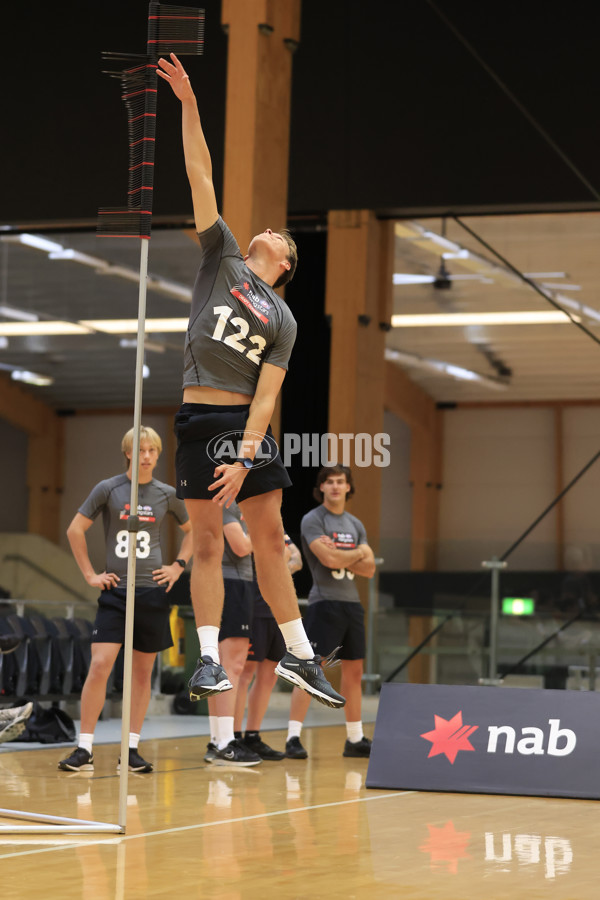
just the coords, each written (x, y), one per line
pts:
(228, 481)
(174, 73)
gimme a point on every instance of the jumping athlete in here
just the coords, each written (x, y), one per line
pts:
(335, 545)
(239, 340)
(153, 581)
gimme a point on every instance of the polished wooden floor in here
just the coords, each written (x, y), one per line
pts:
(295, 830)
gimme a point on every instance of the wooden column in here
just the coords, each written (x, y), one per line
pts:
(358, 299)
(45, 456)
(262, 37)
(418, 410)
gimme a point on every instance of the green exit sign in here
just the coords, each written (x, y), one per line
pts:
(518, 606)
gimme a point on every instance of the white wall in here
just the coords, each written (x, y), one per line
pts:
(498, 476)
(581, 428)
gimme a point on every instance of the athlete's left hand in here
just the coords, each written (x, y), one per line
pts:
(167, 575)
(228, 481)
(325, 539)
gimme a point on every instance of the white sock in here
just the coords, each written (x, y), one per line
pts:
(294, 729)
(208, 635)
(213, 726)
(225, 731)
(86, 741)
(354, 731)
(296, 640)
(134, 740)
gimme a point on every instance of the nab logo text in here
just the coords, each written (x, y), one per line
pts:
(450, 736)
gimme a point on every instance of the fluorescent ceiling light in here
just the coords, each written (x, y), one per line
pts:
(561, 287)
(130, 326)
(545, 274)
(29, 329)
(439, 367)
(550, 317)
(34, 240)
(31, 377)
(9, 312)
(145, 371)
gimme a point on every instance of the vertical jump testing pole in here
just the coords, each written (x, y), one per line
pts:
(178, 29)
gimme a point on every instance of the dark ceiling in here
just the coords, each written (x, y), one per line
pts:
(389, 109)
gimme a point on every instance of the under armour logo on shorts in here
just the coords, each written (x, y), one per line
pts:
(183, 483)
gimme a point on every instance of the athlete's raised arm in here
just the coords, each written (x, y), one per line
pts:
(197, 156)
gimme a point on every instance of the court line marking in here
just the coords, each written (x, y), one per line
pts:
(240, 819)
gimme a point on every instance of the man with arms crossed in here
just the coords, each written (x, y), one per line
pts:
(335, 545)
(239, 340)
(153, 580)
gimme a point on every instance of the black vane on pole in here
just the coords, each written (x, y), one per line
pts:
(171, 29)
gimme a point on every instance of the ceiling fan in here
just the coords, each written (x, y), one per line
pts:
(441, 280)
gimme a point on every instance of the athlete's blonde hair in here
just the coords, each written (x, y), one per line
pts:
(146, 434)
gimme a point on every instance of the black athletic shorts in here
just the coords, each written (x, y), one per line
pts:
(267, 640)
(208, 436)
(238, 608)
(336, 623)
(151, 627)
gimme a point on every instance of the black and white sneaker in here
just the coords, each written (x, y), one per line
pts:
(308, 675)
(236, 754)
(358, 748)
(79, 761)
(211, 752)
(208, 679)
(12, 721)
(257, 745)
(294, 749)
(136, 763)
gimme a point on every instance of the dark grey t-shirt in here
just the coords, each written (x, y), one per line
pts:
(155, 501)
(347, 532)
(237, 321)
(235, 566)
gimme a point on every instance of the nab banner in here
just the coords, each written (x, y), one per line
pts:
(487, 740)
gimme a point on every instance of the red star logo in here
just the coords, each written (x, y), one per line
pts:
(246, 286)
(450, 736)
(446, 845)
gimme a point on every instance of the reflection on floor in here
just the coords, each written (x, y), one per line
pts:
(296, 828)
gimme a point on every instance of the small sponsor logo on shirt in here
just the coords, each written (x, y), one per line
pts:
(255, 303)
(344, 540)
(145, 513)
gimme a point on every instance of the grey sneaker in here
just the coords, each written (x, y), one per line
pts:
(12, 721)
(236, 754)
(208, 679)
(79, 761)
(308, 675)
(211, 752)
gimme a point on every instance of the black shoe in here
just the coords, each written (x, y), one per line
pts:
(236, 754)
(79, 761)
(308, 675)
(136, 763)
(9, 642)
(360, 748)
(208, 679)
(263, 750)
(211, 752)
(294, 749)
